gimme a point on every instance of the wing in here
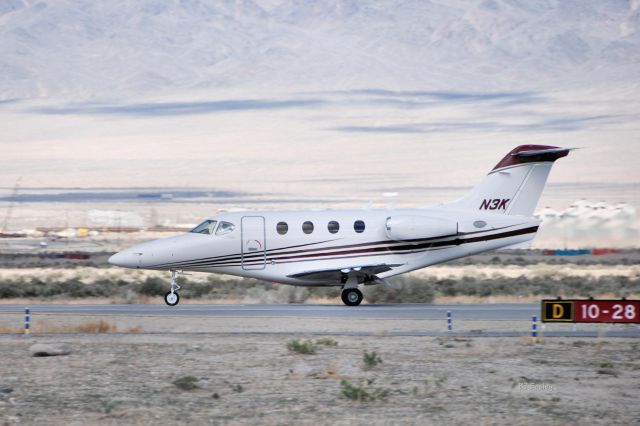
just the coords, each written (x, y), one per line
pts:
(364, 273)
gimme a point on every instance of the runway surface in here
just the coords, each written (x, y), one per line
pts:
(404, 311)
(468, 312)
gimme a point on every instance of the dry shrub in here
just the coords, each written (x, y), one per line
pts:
(409, 288)
(362, 392)
(371, 360)
(96, 327)
(10, 329)
(331, 371)
(186, 383)
(301, 347)
(100, 326)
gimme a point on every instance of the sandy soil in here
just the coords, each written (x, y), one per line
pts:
(248, 378)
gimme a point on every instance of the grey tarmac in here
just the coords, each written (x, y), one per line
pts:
(512, 318)
(396, 311)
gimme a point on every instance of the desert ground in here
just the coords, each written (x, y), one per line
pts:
(238, 371)
(141, 369)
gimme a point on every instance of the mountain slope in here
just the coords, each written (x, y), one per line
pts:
(104, 49)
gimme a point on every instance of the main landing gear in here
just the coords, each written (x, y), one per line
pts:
(351, 296)
(172, 298)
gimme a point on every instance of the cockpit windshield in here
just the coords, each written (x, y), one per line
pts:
(225, 228)
(205, 227)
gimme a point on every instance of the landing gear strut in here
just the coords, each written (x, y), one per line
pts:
(351, 296)
(172, 298)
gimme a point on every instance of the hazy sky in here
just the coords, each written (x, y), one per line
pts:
(331, 99)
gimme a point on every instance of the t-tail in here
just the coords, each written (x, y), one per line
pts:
(515, 184)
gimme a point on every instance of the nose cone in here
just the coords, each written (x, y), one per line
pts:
(126, 259)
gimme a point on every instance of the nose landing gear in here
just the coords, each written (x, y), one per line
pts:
(172, 297)
(351, 296)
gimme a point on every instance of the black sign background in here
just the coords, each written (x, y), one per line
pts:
(557, 311)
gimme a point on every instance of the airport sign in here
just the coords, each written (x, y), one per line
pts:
(591, 311)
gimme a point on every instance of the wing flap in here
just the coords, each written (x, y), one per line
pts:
(363, 272)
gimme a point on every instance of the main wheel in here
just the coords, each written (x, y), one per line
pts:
(351, 296)
(171, 298)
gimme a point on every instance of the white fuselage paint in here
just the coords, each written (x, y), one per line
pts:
(351, 247)
(250, 251)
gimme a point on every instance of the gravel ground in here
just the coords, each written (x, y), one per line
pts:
(244, 378)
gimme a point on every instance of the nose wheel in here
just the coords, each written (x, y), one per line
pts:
(351, 296)
(172, 297)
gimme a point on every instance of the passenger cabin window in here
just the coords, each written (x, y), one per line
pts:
(205, 227)
(358, 226)
(333, 227)
(225, 228)
(282, 228)
(307, 227)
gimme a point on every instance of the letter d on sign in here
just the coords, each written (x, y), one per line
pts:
(558, 311)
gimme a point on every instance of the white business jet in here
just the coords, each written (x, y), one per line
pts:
(350, 248)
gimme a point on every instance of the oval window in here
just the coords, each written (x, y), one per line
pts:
(307, 227)
(333, 227)
(282, 228)
(479, 223)
(358, 226)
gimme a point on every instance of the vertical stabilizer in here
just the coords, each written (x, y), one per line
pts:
(515, 184)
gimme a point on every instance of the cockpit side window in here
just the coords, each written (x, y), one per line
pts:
(205, 227)
(225, 228)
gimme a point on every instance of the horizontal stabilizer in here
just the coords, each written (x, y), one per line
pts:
(550, 151)
(524, 154)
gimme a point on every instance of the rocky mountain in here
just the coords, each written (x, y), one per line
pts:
(96, 49)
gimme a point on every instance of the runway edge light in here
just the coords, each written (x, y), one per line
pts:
(27, 322)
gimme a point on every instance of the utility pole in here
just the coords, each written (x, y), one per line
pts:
(12, 202)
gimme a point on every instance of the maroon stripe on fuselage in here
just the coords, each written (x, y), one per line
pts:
(233, 258)
(400, 249)
(237, 256)
(196, 268)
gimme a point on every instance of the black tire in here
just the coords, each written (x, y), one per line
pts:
(351, 297)
(167, 300)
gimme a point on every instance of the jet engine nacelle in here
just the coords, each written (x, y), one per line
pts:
(402, 228)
